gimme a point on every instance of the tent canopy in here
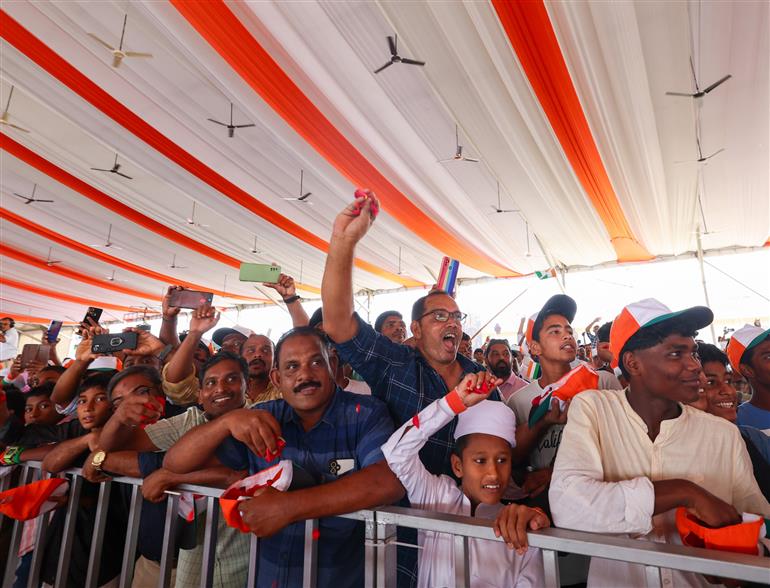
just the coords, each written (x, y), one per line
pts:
(563, 104)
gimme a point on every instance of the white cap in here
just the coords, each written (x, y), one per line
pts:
(105, 362)
(490, 417)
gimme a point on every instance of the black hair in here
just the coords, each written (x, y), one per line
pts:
(475, 351)
(460, 445)
(603, 334)
(95, 380)
(316, 318)
(497, 342)
(708, 352)
(465, 337)
(748, 356)
(418, 308)
(7, 318)
(307, 331)
(59, 369)
(143, 370)
(201, 344)
(651, 336)
(225, 356)
(42, 390)
(14, 400)
(385, 316)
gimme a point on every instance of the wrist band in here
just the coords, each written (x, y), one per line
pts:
(12, 455)
(291, 299)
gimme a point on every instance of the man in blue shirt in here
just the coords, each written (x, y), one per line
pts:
(330, 435)
(749, 353)
(407, 379)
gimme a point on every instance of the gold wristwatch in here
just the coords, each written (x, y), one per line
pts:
(98, 460)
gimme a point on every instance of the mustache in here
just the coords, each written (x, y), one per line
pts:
(300, 387)
(257, 361)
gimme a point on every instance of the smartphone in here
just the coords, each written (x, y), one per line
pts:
(34, 352)
(112, 342)
(53, 331)
(259, 272)
(190, 298)
(144, 327)
(447, 276)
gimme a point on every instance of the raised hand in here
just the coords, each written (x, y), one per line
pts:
(83, 351)
(169, 312)
(284, 286)
(474, 388)
(138, 409)
(354, 221)
(146, 343)
(203, 319)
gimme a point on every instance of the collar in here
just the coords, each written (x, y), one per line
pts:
(328, 416)
(666, 425)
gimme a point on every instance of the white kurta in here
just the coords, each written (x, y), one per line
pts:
(602, 479)
(491, 563)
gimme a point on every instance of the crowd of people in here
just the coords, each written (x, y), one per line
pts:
(637, 430)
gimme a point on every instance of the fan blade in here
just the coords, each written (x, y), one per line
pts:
(100, 169)
(124, 175)
(679, 94)
(102, 41)
(17, 127)
(216, 122)
(38, 200)
(494, 208)
(290, 199)
(471, 159)
(304, 196)
(446, 160)
(715, 153)
(412, 61)
(379, 69)
(244, 126)
(718, 83)
(392, 45)
(138, 54)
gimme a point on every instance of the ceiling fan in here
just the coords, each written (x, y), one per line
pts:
(51, 262)
(4, 117)
(395, 57)
(174, 265)
(458, 156)
(255, 249)
(303, 196)
(499, 209)
(231, 127)
(698, 92)
(117, 52)
(108, 244)
(191, 220)
(701, 157)
(31, 199)
(114, 169)
(113, 278)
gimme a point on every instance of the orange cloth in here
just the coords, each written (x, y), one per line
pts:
(30, 501)
(740, 538)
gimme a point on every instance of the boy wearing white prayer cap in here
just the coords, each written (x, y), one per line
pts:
(484, 438)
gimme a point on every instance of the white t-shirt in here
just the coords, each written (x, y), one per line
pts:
(543, 454)
(10, 349)
(358, 387)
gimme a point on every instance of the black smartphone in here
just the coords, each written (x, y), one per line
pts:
(112, 342)
(92, 313)
(34, 352)
(53, 331)
(190, 298)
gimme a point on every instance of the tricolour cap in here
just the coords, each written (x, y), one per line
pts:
(490, 417)
(742, 340)
(646, 313)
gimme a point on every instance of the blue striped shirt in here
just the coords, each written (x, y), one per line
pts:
(349, 434)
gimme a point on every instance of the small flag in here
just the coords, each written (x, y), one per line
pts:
(31, 500)
(278, 476)
(577, 380)
(545, 275)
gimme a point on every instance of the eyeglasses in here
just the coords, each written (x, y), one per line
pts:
(443, 316)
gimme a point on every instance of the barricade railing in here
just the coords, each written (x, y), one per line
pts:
(380, 542)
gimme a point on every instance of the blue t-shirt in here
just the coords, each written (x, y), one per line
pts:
(347, 438)
(751, 416)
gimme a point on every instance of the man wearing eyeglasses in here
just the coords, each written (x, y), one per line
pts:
(407, 379)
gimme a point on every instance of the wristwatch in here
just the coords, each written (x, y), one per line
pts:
(98, 460)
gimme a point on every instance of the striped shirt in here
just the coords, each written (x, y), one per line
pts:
(347, 438)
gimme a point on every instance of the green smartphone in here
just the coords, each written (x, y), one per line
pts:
(259, 272)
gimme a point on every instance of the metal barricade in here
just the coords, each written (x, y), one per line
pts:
(380, 542)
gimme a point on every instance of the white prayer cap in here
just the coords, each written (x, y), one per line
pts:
(488, 416)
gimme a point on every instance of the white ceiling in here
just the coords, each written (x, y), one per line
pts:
(622, 58)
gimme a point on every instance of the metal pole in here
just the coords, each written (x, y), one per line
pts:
(549, 259)
(13, 549)
(95, 557)
(169, 539)
(132, 533)
(499, 312)
(251, 580)
(462, 571)
(551, 568)
(703, 279)
(310, 564)
(68, 536)
(210, 543)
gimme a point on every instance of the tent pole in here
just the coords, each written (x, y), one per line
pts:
(494, 316)
(548, 258)
(703, 279)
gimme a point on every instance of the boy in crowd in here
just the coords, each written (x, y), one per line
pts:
(631, 457)
(332, 435)
(481, 461)
(749, 353)
(391, 324)
(552, 342)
